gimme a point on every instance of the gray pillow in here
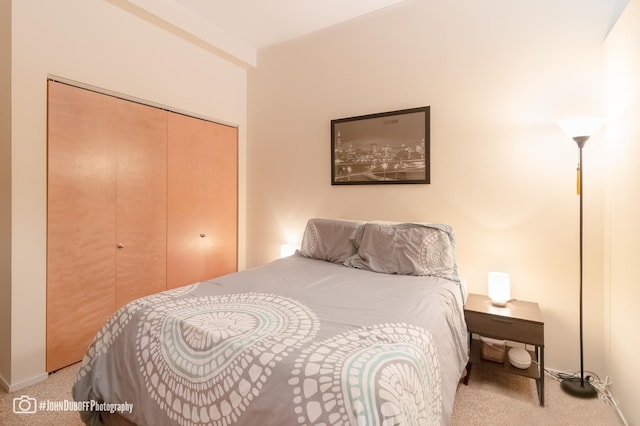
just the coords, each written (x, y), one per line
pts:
(329, 239)
(406, 249)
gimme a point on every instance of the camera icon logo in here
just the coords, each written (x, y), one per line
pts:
(24, 405)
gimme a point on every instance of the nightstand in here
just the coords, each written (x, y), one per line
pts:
(517, 322)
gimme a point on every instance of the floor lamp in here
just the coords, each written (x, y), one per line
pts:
(580, 129)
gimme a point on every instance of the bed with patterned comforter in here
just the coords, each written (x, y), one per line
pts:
(299, 341)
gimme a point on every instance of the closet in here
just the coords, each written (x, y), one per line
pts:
(111, 185)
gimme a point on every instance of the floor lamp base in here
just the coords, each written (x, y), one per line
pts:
(574, 386)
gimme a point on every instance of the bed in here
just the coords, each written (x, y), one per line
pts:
(363, 325)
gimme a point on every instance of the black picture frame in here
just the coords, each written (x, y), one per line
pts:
(381, 149)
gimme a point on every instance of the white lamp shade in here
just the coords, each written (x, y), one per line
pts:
(499, 288)
(581, 126)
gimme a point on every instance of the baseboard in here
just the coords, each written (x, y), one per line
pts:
(13, 387)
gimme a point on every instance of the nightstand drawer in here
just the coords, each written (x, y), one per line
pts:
(505, 328)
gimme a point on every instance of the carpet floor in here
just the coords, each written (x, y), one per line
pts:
(496, 398)
(491, 398)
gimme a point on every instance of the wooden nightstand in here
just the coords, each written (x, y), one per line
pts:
(517, 322)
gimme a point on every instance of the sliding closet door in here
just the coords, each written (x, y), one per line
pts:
(141, 215)
(202, 200)
(81, 203)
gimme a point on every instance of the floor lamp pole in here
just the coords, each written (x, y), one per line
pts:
(573, 385)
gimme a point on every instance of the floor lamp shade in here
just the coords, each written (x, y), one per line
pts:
(580, 129)
(581, 126)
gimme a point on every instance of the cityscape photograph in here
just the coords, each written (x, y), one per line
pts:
(382, 149)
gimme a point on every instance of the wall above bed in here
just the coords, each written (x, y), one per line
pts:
(502, 172)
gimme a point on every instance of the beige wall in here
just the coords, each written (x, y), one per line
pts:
(497, 76)
(99, 44)
(5, 191)
(623, 203)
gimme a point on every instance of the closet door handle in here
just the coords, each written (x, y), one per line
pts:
(120, 245)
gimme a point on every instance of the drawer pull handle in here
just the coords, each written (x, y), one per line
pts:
(502, 320)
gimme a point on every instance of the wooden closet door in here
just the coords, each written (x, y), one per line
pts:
(141, 217)
(202, 200)
(81, 202)
(223, 258)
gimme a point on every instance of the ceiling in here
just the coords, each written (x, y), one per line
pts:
(237, 29)
(261, 23)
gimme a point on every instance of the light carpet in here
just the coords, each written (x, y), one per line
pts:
(495, 397)
(491, 398)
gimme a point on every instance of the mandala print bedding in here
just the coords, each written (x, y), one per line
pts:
(201, 355)
(367, 377)
(204, 359)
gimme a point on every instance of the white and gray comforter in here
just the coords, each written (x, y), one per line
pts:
(295, 342)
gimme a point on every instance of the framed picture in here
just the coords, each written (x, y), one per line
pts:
(378, 149)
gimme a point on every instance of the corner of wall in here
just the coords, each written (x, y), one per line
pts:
(622, 64)
(5, 193)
